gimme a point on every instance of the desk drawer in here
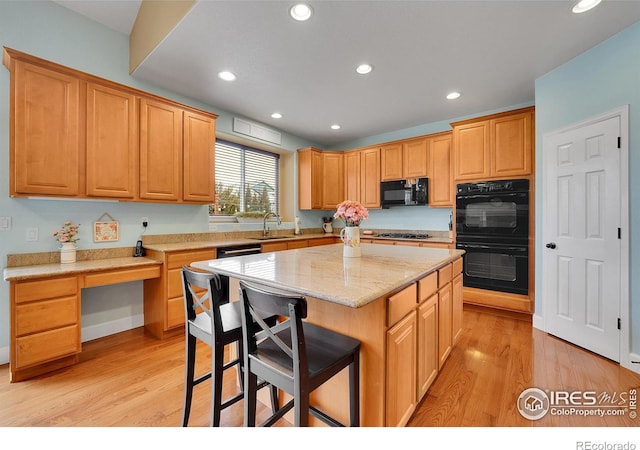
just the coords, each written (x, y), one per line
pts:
(400, 304)
(47, 346)
(46, 288)
(121, 276)
(45, 315)
(175, 313)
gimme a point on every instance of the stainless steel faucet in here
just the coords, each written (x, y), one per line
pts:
(265, 230)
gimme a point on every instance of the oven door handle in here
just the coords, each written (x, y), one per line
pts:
(501, 195)
(511, 249)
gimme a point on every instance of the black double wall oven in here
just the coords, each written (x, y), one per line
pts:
(492, 227)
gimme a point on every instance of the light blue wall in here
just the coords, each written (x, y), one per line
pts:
(598, 81)
(49, 31)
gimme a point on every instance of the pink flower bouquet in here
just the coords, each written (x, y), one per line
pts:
(351, 212)
(68, 232)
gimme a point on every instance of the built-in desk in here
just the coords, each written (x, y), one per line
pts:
(45, 308)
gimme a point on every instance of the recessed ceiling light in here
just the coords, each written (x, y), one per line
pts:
(226, 76)
(300, 12)
(335, 127)
(364, 69)
(276, 115)
(453, 95)
(585, 5)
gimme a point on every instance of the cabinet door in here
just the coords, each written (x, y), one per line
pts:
(45, 122)
(198, 157)
(427, 344)
(352, 176)
(160, 151)
(456, 308)
(391, 167)
(370, 178)
(332, 179)
(401, 371)
(112, 143)
(309, 179)
(512, 142)
(444, 324)
(415, 158)
(441, 185)
(471, 151)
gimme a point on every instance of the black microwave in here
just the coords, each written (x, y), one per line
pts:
(404, 192)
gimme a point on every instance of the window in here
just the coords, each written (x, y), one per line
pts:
(247, 180)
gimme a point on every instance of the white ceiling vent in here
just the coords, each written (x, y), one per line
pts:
(257, 131)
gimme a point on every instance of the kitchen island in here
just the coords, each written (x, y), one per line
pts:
(402, 303)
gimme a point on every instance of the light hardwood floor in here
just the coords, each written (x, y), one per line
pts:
(131, 379)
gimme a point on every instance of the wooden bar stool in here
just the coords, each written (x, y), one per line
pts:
(293, 355)
(217, 322)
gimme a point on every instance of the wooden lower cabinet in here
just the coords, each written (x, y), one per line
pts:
(456, 308)
(401, 371)
(46, 323)
(444, 324)
(163, 296)
(428, 361)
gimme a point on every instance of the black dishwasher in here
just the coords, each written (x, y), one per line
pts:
(230, 252)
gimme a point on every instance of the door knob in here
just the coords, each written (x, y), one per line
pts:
(551, 245)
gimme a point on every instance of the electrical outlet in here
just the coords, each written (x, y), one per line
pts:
(5, 223)
(32, 234)
(145, 221)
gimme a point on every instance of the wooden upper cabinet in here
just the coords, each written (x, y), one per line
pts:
(471, 150)
(199, 135)
(496, 146)
(415, 158)
(404, 159)
(370, 177)
(112, 143)
(512, 145)
(77, 135)
(352, 174)
(441, 186)
(391, 165)
(160, 151)
(310, 178)
(332, 179)
(45, 113)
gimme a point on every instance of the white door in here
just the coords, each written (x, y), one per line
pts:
(582, 217)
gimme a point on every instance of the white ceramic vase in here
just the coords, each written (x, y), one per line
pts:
(68, 252)
(350, 237)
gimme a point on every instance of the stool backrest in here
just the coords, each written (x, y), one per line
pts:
(257, 302)
(207, 301)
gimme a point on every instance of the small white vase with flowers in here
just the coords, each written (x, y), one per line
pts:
(67, 235)
(352, 213)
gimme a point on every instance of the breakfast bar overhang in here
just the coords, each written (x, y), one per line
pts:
(400, 302)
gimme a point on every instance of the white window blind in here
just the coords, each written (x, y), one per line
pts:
(247, 179)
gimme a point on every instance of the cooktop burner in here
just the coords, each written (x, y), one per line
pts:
(404, 235)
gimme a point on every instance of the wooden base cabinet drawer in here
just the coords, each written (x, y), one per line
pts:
(47, 346)
(177, 260)
(444, 275)
(427, 286)
(175, 312)
(400, 304)
(43, 289)
(46, 315)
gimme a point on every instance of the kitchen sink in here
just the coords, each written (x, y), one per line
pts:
(266, 238)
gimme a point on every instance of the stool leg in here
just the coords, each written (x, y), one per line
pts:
(217, 363)
(250, 398)
(189, 367)
(354, 391)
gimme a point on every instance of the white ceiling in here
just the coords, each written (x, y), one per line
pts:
(490, 51)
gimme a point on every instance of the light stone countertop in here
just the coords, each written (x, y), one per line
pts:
(323, 273)
(56, 269)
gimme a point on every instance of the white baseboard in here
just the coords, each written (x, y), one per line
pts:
(112, 327)
(538, 322)
(634, 367)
